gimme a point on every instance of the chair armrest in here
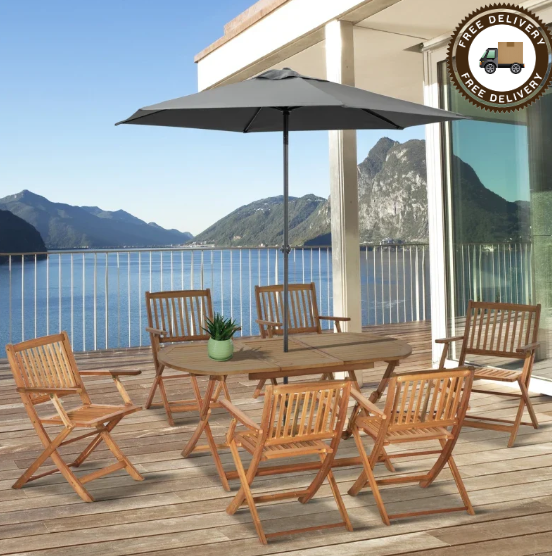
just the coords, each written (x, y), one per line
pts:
(239, 415)
(337, 319)
(268, 323)
(110, 373)
(528, 347)
(39, 390)
(432, 371)
(156, 331)
(366, 404)
(449, 340)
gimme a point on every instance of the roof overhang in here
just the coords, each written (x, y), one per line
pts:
(282, 32)
(389, 36)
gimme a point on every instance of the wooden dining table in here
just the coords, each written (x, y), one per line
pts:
(309, 354)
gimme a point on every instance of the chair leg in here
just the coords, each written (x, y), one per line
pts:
(338, 499)
(529, 404)
(52, 447)
(87, 451)
(367, 476)
(216, 457)
(154, 386)
(165, 399)
(247, 493)
(158, 383)
(387, 461)
(459, 483)
(440, 463)
(116, 451)
(325, 468)
(517, 422)
(525, 401)
(71, 478)
(64, 469)
(237, 501)
(92, 446)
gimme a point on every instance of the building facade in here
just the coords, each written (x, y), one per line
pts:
(489, 179)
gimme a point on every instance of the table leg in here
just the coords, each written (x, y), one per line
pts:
(354, 380)
(374, 396)
(212, 392)
(378, 392)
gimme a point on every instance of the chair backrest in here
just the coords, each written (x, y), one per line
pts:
(303, 412)
(46, 362)
(499, 329)
(181, 314)
(303, 308)
(428, 399)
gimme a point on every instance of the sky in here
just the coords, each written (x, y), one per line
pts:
(71, 69)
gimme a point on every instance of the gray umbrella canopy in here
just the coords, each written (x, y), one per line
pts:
(283, 100)
(256, 105)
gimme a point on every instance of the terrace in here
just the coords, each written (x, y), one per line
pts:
(180, 505)
(412, 292)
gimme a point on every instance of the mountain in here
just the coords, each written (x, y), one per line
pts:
(392, 203)
(392, 187)
(260, 222)
(483, 215)
(392, 196)
(18, 236)
(65, 226)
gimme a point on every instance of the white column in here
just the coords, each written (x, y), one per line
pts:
(436, 212)
(344, 185)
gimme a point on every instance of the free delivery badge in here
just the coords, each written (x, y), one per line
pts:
(499, 57)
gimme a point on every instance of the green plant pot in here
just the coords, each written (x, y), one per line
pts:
(220, 350)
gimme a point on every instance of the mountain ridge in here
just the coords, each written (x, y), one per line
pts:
(64, 226)
(392, 184)
(260, 222)
(18, 236)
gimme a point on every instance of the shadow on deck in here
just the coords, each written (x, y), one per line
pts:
(180, 506)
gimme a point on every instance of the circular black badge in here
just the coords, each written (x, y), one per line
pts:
(499, 57)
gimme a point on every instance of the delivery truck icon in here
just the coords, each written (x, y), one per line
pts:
(507, 55)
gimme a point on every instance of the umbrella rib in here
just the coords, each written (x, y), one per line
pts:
(250, 122)
(380, 117)
(128, 120)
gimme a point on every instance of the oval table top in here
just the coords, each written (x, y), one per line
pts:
(329, 352)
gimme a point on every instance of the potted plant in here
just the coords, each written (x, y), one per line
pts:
(220, 346)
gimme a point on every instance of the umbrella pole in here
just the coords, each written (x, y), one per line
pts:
(286, 248)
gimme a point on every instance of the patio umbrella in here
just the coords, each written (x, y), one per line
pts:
(283, 100)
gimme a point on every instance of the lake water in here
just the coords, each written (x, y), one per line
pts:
(98, 297)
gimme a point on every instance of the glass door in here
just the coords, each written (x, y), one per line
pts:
(498, 209)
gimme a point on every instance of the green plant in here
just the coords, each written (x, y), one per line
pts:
(219, 328)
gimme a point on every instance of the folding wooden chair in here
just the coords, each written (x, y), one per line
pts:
(298, 420)
(45, 369)
(303, 314)
(420, 407)
(503, 331)
(175, 316)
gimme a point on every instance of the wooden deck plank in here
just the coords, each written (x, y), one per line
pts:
(180, 504)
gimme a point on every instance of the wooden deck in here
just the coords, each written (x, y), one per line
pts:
(179, 508)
